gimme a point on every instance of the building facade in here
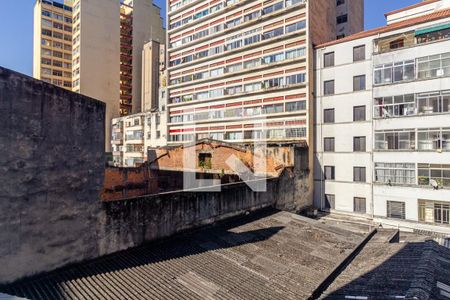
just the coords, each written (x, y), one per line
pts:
(104, 48)
(52, 45)
(239, 70)
(133, 136)
(153, 77)
(383, 121)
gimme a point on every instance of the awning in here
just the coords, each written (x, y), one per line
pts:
(432, 29)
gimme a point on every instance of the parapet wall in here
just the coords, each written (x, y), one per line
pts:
(51, 171)
(51, 177)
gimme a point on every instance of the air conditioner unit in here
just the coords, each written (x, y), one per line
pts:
(440, 72)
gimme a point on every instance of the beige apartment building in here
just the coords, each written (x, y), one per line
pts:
(52, 61)
(106, 38)
(239, 71)
(153, 76)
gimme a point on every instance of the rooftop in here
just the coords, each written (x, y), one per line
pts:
(264, 255)
(267, 255)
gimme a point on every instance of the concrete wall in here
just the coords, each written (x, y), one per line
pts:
(51, 172)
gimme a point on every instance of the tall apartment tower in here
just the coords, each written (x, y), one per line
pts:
(239, 71)
(382, 146)
(52, 61)
(106, 52)
(153, 74)
(349, 17)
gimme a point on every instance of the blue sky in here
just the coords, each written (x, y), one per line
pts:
(16, 28)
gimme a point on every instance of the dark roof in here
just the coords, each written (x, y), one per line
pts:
(389, 270)
(267, 255)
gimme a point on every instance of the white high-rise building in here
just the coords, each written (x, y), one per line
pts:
(382, 120)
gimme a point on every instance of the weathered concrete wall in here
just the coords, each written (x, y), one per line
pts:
(51, 177)
(51, 172)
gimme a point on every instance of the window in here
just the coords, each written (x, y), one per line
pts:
(434, 139)
(46, 13)
(295, 27)
(252, 63)
(252, 111)
(295, 79)
(328, 173)
(273, 58)
(359, 174)
(233, 23)
(359, 83)
(252, 16)
(397, 44)
(396, 72)
(234, 136)
(252, 40)
(395, 209)
(252, 87)
(328, 115)
(272, 109)
(383, 74)
(439, 174)
(291, 54)
(395, 140)
(329, 201)
(274, 82)
(342, 19)
(340, 2)
(396, 106)
(232, 90)
(328, 60)
(359, 144)
(295, 132)
(433, 66)
(436, 102)
(395, 173)
(205, 160)
(328, 87)
(46, 32)
(328, 144)
(359, 113)
(404, 71)
(359, 205)
(359, 53)
(273, 33)
(295, 106)
(272, 8)
(434, 212)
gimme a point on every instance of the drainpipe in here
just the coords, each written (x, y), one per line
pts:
(320, 98)
(372, 131)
